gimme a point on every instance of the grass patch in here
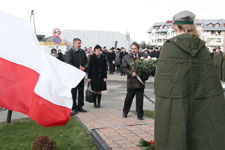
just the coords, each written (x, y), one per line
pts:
(20, 134)
(147, 113)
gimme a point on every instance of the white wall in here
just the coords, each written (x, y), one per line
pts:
(91, 38)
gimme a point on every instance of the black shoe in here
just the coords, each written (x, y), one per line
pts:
(95, 104)
(99, 100)
(140, 118)
(82, 110)
(124, 115)
(73, 112)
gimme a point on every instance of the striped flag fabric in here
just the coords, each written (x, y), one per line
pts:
(31, 81)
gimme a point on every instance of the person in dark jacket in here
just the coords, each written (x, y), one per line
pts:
(189, 108)
(105, 53)
(134, 86)
(213, 53)
(151, 52)
(117, 60)
(97, 74)
(111, 59)
(157, 52)
(60, 55)
(146, 54)
(77, 57)
(218, 61)
(122, 54)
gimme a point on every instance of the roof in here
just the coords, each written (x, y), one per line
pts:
(205, 24)
(158, 24)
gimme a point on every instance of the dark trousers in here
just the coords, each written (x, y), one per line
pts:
(111, 67)
(139, 101)
(117, 68)
(121, 70)
(80, 89)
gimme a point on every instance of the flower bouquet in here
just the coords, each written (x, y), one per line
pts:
(142, 65)
(147, 145)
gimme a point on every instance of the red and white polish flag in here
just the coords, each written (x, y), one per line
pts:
(31, 81)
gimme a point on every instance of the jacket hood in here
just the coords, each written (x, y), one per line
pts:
(188, 43)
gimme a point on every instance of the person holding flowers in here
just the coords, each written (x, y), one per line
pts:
(134, 86)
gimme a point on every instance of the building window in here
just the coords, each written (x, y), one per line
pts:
(159, 41)
(217, 25)
(209, 40)
(218, 40)
(210, 25)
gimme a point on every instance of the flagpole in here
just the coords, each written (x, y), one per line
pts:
(32, 15)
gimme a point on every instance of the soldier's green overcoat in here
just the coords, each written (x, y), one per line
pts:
(190, 105)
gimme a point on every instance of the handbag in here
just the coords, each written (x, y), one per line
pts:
(89, 95)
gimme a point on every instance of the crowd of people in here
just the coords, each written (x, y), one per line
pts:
(58, 54)
(96, 62)
(114, 57)
(189, 99)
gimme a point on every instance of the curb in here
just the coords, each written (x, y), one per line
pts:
(96, 138)
(82, 125)
(98, 141)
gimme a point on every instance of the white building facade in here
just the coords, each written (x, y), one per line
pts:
(91, 38)
(211, 31)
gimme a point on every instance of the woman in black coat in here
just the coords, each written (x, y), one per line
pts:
(97, 74)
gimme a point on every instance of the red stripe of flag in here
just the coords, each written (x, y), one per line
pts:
(17, 85)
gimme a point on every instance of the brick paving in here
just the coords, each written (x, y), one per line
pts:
(116, 131)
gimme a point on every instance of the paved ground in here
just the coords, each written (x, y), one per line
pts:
(117, 132)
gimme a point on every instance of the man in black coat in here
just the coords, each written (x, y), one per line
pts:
(60, 55)
(157, 52)
(134, 86)
(122, 54)
(77, 57)
(111, 59)
(150, 51)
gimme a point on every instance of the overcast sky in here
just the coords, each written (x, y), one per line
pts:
(135, 16)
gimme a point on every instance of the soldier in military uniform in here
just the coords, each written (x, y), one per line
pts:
(190, 105)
